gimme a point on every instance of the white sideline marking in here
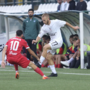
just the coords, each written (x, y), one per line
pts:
(49, 72)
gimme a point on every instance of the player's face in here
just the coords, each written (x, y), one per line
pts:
(71, 40)
(30, 13)
(47, 41)
(45, 20)
(44, 40)
(78, 42)
(74, 43)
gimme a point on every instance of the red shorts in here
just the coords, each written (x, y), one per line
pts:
(20, 60)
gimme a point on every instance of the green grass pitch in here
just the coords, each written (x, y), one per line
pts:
(68, 79)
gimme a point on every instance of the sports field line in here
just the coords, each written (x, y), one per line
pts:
(50, 72)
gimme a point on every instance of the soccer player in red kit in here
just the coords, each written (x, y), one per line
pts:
(13, 51)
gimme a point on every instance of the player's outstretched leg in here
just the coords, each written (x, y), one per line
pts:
(37, 70)
(17, 73)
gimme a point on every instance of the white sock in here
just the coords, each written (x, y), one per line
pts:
(52, 67)
(16, 71)
(70, 60)
(44, 75)
(41, 60)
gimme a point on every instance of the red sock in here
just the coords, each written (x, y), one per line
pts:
(39, 71)
(42, 65)
(16, 67)
(47, 65)
(59, 65)
(55, 65)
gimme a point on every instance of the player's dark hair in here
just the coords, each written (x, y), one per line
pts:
(19, 32)
(31, 10)
(44, 36)
(75, 39)
(76, 35)
(48, 38)
(71, 36)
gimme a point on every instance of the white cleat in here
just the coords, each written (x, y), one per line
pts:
(66, 67)
(65, 63)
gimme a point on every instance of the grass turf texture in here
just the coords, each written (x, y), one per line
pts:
(68, 79)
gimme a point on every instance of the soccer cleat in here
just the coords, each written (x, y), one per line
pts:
(38, 65)
(17, 75)
(65, 67)
(45, 77)
(88, 67)
(65, 63)
(53, 75)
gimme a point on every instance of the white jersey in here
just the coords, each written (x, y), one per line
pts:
(53, 30)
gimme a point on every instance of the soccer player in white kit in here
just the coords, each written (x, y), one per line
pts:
(52, 27)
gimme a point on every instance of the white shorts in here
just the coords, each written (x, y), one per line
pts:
(54, 45)
(51, 51)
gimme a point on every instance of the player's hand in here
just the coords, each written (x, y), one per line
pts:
(38, 59)
(77, 58)
(34, 41)
(3, 64)
(76, 27)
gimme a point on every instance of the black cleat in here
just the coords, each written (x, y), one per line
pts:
(38, 65)
(88, 67)
(53, 75)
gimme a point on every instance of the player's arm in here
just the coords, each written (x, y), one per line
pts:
(3, 57)
(33, 54)
(73, 27)
(42, 32)
(37, 39)
(29, 50)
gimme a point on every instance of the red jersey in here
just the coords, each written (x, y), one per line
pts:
(15, 45)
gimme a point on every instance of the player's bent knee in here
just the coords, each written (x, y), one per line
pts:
(31, 63)
(45, 48)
